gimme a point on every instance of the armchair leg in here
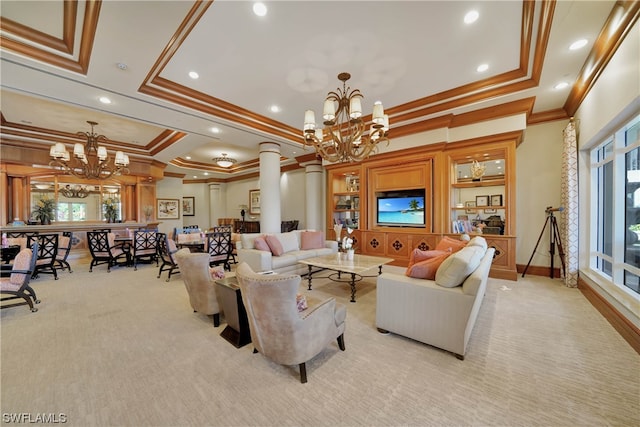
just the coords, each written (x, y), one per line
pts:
(216, 320)
(303, 373)
(341, 342)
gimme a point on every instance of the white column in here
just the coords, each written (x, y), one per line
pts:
(314, 212)
(217, 205)
(269, 187)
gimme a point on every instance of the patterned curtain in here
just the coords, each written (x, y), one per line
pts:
(569, 190)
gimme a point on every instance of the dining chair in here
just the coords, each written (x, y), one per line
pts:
(47, 253)
(17, 284)
(64, 247)
(166, 252)
(145, 246)
(104, 250)
(218, 245)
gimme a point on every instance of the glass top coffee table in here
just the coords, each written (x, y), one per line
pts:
(338, 262)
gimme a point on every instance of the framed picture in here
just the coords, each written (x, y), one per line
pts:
(168, 209)
(490, 211)
(188, 206)
(482, 200)
(254, 202)
(496, 200)
(469, 205)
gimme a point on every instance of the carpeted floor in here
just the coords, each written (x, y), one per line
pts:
(125, 349)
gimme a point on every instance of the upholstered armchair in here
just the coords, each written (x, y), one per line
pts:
(278, 330)
(194, 268)
(17, 286)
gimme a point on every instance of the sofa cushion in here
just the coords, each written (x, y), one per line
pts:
(458, 266)
(427, 268)
(311, 240)
(260, 243)
(274, 245)
(447, 243)
(478, 241)
(289, 241)
(417, 255)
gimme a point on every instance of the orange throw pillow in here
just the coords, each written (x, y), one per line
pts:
(417, 255)
(447, 243)
(426, 269)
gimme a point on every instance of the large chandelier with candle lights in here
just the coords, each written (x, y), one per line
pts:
(345, 137)
(90, 160)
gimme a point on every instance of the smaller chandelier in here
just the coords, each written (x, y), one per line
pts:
(90, 160)
(224, 161)
(75, 192)
(343, 138)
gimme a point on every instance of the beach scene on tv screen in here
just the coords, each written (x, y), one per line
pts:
(401, 210)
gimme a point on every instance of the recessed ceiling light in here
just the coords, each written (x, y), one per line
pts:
(578, 44)
(193, 75)
(195, 176)
(274, 109)
(121, 65)
(561, 85)
(482, 68)
(471, 17)
(105, 100)
(215, 130)
(188, 157)
(259, 9)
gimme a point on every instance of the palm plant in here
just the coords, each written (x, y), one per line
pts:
(44, 210)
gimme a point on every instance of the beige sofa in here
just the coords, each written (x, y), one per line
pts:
(437, 315)
(262, 260)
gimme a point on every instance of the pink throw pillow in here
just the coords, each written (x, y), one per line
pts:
(426, 269)
(417, 255)
(447, 243)
(311, 240)
(274, 245)
(301, 301)
(217, 273)
(261, 244)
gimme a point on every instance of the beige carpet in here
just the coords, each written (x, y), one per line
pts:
(125, 349)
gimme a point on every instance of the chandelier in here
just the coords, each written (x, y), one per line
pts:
(343, 138)
(89, 160)
(74, 192)
(224, 161)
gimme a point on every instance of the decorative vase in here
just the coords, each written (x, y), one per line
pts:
(350, 253)
(45, 221)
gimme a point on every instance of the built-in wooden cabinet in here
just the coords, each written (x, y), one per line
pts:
(454, 198)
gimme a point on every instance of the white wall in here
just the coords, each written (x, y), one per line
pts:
(169, 188)
(538, 167)
(292, 196)
(201, 205)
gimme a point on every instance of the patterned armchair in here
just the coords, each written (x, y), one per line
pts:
(17, 285)
(201, 287)
(47, 253)
(278, 330)
(64, 247)
(145, 246)
(220, 248)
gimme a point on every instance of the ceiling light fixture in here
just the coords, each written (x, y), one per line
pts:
(482, 68)
(471, 17)
(75, 192)
(578, 44)
(224, 161)
(260, 9)
(344, 140)
(90, 161)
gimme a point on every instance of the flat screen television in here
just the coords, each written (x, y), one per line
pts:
(401, 209)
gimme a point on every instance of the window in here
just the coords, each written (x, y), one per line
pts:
(68, 211)
(615, 171)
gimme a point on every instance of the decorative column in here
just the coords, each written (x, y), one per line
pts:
(314, 213)
(269, 187)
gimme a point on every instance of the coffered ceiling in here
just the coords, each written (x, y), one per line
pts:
(418, 57)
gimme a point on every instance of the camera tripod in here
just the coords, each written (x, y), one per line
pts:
(554, 239)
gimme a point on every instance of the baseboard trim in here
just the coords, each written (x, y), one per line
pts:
(537, 270)
(625, 328)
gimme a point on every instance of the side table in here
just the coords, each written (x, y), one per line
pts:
(237, 330)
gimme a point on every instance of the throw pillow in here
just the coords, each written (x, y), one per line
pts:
(289, 241)
(274, 245)
(301, 301)
(455, 269)
(448, 243)
(260, 244)
(217, 273)
(478, 241)
(311, 240)
(426, 269)
(417, 255)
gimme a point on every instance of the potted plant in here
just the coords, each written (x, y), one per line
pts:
(44, 210)
(110, 209)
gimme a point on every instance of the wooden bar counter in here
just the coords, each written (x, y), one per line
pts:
(79, 229)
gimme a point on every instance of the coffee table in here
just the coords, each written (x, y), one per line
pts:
(340, 264)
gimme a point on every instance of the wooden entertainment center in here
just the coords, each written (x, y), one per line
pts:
(454, 200)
